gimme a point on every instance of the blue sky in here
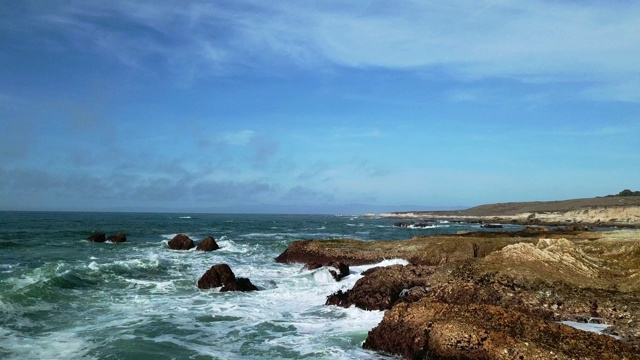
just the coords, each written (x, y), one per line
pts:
(313, 106)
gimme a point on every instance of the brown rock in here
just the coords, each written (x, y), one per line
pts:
(240, 284)
(208, 244)
(381, 288)
(181, 242)
(97, 237)
(433, 330)
(118, 238)
(218, 275)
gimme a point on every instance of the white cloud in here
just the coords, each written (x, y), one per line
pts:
(533, 41)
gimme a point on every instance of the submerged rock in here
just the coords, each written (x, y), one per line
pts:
(118, 238)
(240, 284)
(97, 237)
(221, 275)
(181, 242)
(207, 244)
(218, 275)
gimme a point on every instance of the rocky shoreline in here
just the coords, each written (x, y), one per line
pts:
(498, 295)
(599, 212)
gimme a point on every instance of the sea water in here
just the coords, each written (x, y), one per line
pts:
(62, 297)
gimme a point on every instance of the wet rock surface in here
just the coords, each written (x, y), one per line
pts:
(207, 244)
(117, 238)
(218, 275)
(97, 237)
(221, 275)
(181, 242)
(239, 284)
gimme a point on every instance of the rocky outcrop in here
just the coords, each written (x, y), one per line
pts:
(222, 275)
(181, 242)
(207, 244)
(381, 288)
(218, 275)
(538, 277)
(432, 250)
(240, 284)
(97, 237)
(434, 330)
(117, 238)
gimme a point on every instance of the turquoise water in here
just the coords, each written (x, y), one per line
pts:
(64, 297)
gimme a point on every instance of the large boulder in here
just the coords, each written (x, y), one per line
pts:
(117, 238)
(382, 287)
(181, 242)
(97, 237)
(207, 244)
(218, 275)
(240, 284)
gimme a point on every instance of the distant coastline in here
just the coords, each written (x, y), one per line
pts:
(621, 211)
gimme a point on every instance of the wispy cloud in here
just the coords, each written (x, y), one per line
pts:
(534, 41)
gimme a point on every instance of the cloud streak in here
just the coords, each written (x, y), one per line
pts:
(534, 41)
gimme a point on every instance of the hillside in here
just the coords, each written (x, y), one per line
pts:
(601, 211)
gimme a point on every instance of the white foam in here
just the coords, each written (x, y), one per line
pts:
(53, 345)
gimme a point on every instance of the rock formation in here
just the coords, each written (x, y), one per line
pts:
(240, 284)
(117, 238)
(97, 237)
(434, 330)
(496, 295)
(181, 242)
(207, 244)
(218, 275)
(222, 275)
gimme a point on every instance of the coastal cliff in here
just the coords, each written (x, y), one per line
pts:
(605, 211)
(495, 295)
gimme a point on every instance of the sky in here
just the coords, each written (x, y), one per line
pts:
(316, 106)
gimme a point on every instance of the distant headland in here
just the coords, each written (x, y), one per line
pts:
(622, 210)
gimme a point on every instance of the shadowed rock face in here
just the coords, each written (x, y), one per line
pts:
(208, 244)
(218, 275)
(118, 238)
(181, 242)
(381, 288)
(240, 284)
(97, 237)
(221, 275)
(433, 330)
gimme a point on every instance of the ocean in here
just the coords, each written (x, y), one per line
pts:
(62, 297)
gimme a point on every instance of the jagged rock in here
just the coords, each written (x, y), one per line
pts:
(97, 237)
(181, 242)
(240, 284)
(341, 271)
(118, 238)
(380, 288)
(218, 275)
(434, 330)
(208, 244)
